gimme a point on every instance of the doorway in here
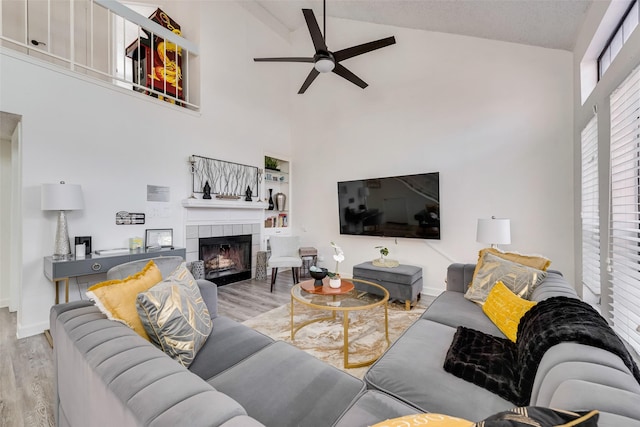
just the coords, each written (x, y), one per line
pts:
(10, 210)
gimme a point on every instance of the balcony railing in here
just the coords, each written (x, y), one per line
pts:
(108, 41)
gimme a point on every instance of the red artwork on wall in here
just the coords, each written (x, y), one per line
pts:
(157, 64)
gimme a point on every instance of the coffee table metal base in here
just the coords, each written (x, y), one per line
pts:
(345, 326)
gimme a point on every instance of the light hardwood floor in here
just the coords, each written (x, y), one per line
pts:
(26, 365)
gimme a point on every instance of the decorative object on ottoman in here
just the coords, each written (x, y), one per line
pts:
(385, 263)
(403, 282)
(318, 274)
(382, 261)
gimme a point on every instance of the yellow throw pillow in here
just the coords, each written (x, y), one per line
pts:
(437, 420)
(505, 309)
(117, 298)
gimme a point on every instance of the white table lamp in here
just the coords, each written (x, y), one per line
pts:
(62, 197)
(494, 231)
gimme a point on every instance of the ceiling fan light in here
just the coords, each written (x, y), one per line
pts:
(324, 65)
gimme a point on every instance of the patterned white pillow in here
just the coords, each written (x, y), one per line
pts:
(520, 279)
(175, 316)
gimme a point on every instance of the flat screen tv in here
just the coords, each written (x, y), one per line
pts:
(395, 206)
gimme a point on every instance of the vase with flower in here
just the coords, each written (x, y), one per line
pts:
(334, 277)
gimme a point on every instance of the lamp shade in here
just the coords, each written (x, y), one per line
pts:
(61, 197)
(494, 231)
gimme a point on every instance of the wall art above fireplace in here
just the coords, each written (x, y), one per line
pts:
(224, 178)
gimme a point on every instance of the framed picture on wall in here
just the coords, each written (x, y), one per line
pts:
(158, 238)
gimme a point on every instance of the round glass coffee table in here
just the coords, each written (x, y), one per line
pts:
(365, 296)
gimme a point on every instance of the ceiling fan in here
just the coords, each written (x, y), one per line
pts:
(324, 60)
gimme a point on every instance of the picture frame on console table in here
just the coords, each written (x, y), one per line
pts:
(87, 243)
(157, 238)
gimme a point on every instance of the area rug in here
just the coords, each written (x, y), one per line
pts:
(324, 339)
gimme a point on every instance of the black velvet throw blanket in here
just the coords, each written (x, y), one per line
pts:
(508, 369)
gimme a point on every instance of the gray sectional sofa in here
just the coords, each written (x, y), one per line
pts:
(108, 375)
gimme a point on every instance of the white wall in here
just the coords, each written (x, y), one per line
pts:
(115, 142)
(495, 119)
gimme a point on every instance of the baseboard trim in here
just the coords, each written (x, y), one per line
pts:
(434, 292)
(4, 302)
(31, 330)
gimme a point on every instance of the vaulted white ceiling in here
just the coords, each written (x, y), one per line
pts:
(546, 23)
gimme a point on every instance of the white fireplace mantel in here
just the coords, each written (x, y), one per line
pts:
(224, 204)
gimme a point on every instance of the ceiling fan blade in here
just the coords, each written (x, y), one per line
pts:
(314, 30)
(293, 59)
(343, 72)
(350, 52)
(310, 78)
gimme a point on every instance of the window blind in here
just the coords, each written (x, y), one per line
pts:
(590, 211)
(625, 210)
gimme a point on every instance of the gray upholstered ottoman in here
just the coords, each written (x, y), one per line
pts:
(403, 282)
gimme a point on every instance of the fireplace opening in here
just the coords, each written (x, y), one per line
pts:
(226, 259)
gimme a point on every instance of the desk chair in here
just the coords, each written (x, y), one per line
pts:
(285, 252)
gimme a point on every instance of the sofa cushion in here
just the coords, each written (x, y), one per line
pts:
(554, 285)
(617, 407)
(451, 308)
(105, 371)
(174, 315)
(283, 386)
(505, 309)
(372, 407)
(605, 368)
(229, 343)
(517, 277)
(411, 370)
(117, 298)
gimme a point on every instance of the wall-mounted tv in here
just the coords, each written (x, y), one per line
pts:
(395, 206)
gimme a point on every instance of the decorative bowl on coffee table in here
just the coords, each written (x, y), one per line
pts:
(318, 275)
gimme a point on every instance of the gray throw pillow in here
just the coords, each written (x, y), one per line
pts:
(175, 316)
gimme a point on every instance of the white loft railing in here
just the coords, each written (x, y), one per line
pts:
(108, 41)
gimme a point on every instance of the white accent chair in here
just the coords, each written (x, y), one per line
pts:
(285, 252)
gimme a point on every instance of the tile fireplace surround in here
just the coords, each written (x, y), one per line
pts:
(213, 218)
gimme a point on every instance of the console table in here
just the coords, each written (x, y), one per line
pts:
(63, 270)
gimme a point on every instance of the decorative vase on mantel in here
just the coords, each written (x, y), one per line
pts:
(271, 199)
(281, 199)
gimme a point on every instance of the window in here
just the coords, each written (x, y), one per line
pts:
(590, 212)
(620, 35)
(625, 209)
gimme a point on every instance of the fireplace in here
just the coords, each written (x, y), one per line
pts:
(226, 259)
